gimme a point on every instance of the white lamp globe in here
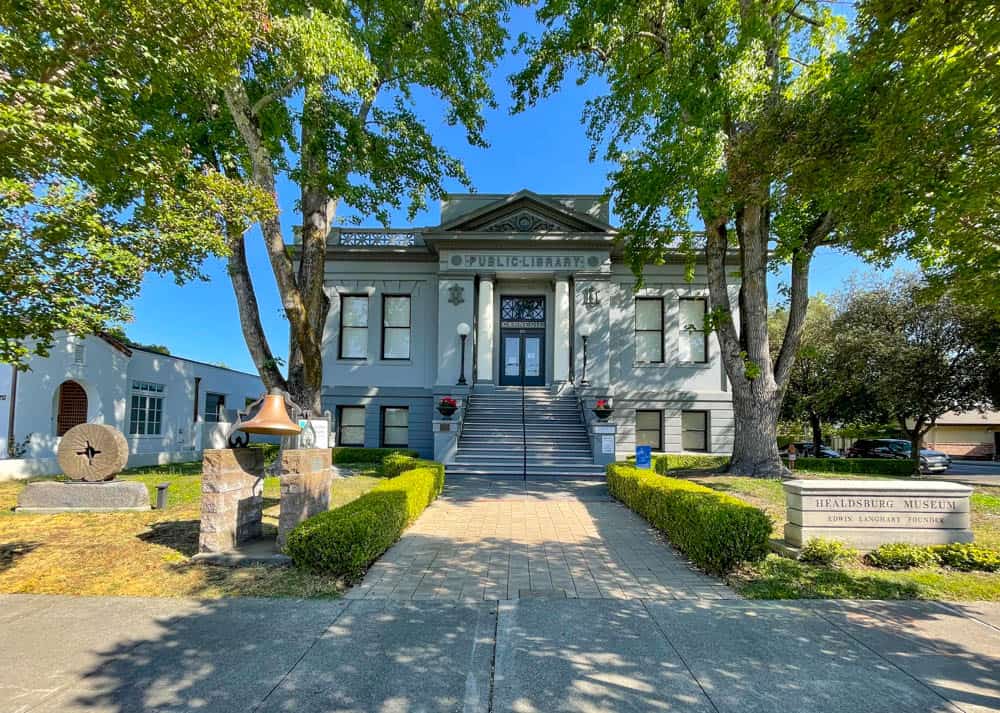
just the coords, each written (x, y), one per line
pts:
(463, 329)
(585, 330)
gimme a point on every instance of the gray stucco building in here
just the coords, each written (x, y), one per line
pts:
(531, 278)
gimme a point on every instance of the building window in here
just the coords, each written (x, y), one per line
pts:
(395, 326)
(215, 407)
(395, 426)
(351, 426)
(693, 338)
(79, 353)
(694, 430)
(649, 329)
(649, 429)
(354, 326)
(146, 413)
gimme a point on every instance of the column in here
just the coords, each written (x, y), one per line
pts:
(485, 332)
(560, 331)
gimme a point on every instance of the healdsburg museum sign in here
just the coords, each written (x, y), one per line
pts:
(867, 513)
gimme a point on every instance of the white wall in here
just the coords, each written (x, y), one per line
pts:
(107, 376)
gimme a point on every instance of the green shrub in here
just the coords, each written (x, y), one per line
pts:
(860, 466)
(667, 462)
(968, 557)
(716, 531)
(901, 555)
(345, 541)
(395, 463)
(271, 451)
(348, 454)
(825, 552)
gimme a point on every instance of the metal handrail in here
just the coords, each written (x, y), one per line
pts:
(524, 433)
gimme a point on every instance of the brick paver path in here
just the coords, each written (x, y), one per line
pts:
(492, 540)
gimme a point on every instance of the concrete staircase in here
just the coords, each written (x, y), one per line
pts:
(555, 437)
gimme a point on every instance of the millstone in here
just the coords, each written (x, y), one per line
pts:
(92, 452)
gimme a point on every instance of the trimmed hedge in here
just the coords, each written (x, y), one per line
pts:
(395, 463)
(344, 542)
(667, 462)
(271, 451)
(861, 466)
(716, 531)
(968, 557)
(349, 454)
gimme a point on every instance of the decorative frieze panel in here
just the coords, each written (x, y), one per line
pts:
(524, 221)
(378, 239)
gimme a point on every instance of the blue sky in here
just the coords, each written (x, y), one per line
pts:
(544, 149)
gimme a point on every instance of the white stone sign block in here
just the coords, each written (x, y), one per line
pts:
(868, 513)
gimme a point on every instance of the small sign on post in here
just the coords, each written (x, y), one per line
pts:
(644, 457)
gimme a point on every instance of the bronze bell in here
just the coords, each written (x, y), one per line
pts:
(272, 419)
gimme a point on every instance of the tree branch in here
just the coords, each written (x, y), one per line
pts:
(805, 18)
(278, 93)
(716, 249)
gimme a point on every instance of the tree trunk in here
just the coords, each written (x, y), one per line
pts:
(916, 435)
(755, 446)
(817, 432)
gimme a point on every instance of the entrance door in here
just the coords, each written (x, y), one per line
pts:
(522, 356)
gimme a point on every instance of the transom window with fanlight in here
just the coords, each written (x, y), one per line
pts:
(516, 310)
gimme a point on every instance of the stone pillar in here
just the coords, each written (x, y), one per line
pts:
(305, 476)
(445, 439)
(232, 498)
(485, 332)
(603, 441)
(560, 331)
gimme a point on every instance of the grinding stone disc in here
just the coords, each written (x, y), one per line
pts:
(92, 452)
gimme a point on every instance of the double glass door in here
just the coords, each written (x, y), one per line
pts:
(522, 357)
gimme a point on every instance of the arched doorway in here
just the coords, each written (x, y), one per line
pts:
(72, 407)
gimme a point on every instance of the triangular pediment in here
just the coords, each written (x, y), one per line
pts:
(525, 212)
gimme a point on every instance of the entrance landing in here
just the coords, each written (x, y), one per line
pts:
(498, 539)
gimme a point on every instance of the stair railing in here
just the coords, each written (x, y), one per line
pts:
(524, 434)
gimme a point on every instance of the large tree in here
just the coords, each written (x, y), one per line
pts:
(913, 356)
(322, 94)
(72, 77)
(742, 118)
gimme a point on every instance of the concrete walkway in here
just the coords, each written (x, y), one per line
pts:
(117, 655)
(488, 539)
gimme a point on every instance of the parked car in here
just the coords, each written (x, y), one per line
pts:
(805, 449)
(931, 461)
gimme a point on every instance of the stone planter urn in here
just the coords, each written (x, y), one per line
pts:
(602, 410)
(447, 407)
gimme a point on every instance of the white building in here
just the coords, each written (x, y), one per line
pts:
(165, 405)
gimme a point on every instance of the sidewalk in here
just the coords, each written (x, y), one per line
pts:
(112, 655)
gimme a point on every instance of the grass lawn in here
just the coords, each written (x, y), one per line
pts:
(782, 578)
(146, 553)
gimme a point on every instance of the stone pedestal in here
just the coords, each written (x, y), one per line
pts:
(111, 496)
(603, 443)
(306, 475)
(867, 513)
(445, 439)
(232, 498)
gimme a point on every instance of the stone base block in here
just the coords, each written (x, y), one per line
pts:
(109, 496)
(866, 539)
(305, 479)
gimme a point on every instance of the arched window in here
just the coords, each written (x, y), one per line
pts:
(72, 407)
